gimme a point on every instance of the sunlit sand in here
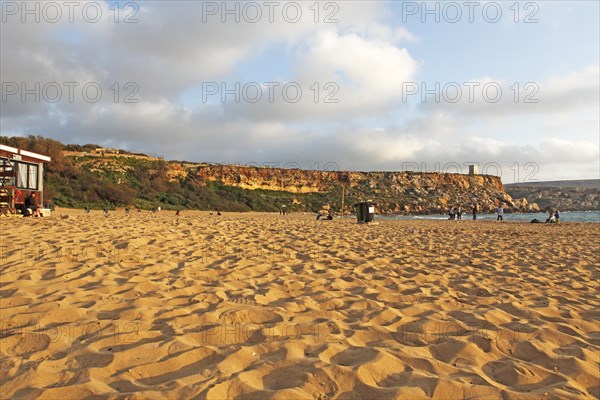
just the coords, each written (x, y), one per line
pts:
(259, 306)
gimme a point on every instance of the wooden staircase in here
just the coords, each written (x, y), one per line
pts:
(7, 187)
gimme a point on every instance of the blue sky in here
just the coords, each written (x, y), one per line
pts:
(369, 56)
(565, 36)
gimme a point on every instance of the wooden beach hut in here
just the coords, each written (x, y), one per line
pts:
(21, 173)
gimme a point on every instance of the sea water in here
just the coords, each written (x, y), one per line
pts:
(565, 216)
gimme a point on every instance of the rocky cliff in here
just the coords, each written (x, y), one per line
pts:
(310, 190)
(394, 192)
(563, 195)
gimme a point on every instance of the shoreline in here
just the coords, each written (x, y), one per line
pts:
(380, 217)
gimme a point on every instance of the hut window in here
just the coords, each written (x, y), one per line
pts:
(27, 176)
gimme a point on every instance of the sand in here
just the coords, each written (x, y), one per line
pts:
(263, 306)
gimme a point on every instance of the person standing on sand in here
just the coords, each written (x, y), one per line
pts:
(474, 212)
(459, 212)
(500, 213)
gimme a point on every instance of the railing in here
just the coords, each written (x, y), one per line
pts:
(7, 201)
(7, 173)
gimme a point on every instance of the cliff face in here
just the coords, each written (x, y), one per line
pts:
(394, 192)
(309, 190)
(573, 198)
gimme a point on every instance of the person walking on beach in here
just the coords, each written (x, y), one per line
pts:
(459, 212)
(474, 212)
(500, 213)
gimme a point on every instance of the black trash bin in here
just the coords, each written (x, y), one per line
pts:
(365, 212)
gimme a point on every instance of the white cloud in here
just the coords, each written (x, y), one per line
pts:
(374, 70)
(568, 151)
(489, 96)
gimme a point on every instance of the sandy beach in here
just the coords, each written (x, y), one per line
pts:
(263, 306)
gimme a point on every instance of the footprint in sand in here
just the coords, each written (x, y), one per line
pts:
(24, 344)
(243, 300)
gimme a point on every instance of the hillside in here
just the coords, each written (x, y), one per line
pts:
(577, 195)
(88, 175)
(582, 184)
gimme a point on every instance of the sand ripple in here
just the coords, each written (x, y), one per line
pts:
(248, 306)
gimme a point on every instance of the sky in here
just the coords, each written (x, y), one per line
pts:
(513, 87)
